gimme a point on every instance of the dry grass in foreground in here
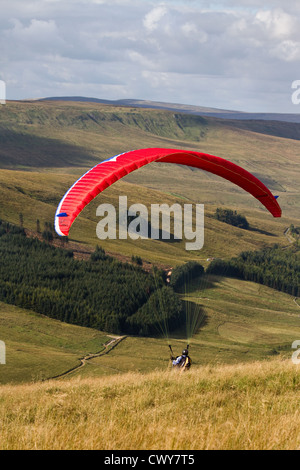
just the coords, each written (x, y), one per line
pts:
(252, 406)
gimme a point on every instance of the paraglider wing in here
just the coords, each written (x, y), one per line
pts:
(103, 175)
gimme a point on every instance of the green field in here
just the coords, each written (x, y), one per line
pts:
(243, 322)
(46, 146)
(38, 347)
(69, 387)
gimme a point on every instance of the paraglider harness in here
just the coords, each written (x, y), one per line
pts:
(185, 362)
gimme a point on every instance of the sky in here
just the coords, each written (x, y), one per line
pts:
(239, 55)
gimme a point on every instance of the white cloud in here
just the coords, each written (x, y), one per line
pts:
(277, 22)
(235, 55)
(152, 19)
(288, 51)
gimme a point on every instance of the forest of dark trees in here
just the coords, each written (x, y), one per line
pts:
(183, 275)
(101, 293)
(295, 231)
(232, 218)
(274, 267)
(116, 297)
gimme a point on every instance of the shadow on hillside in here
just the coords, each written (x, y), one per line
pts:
(206, 281)
(194, 318)
(286, 130)
(27, 150)
(263, 232)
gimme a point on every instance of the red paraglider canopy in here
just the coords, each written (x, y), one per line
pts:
(109, 171)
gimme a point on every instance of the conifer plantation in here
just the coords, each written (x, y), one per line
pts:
(101, 293)
(274, 267)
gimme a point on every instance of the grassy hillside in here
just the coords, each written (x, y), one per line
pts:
(56, 142)
(36, 196)
(38, 347)
(243, 389)
(245, 320)
(253, 406)
(56, 134)
(66, 135)
(242, 322)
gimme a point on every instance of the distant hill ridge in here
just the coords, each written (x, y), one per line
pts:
(190, 109)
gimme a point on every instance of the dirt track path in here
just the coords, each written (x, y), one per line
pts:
(289, 238)
(109, 346)
(296, 301)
